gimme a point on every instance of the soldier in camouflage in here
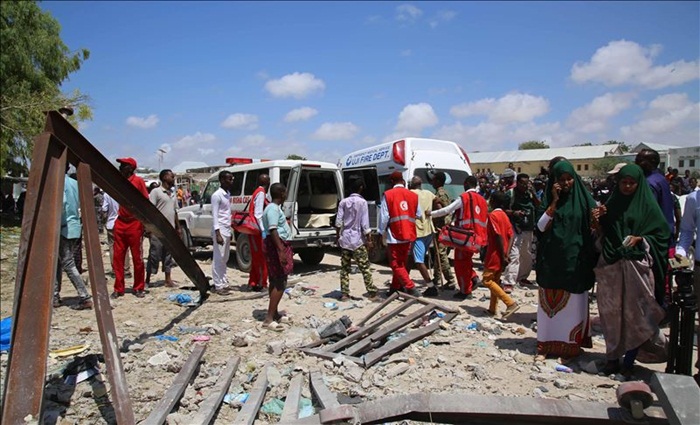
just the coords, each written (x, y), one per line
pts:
(442, 263)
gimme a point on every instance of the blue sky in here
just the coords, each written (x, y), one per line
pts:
(209, 80)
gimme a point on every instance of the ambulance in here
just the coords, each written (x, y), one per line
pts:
(314, 190)
(412, 157)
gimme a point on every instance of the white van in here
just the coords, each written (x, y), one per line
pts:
(314, 190)
(413, 157)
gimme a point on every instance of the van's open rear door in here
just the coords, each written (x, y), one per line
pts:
(371, 192)
(291, 206)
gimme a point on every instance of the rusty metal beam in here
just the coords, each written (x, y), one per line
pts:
(107, 176)
(378, 308)
(325, 397)
(36, 273)
(483, 410)
(208, 408)
(291, 403)
(103, 309)
(172, 396)
(247, 414)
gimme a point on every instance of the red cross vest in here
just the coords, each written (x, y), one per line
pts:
(474, 216)
(402, 205)
(252, 200)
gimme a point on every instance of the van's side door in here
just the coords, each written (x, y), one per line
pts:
(291, 206)
(371, 193)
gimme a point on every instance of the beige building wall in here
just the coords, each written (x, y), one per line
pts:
(583, 167)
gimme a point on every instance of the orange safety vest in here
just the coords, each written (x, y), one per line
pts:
(402, 205)
(474, 216)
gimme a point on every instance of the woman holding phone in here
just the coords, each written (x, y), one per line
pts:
(634, 245)
(565, 261)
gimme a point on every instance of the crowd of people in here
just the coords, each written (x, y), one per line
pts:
(573, 237)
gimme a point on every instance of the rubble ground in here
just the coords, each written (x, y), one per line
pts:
(472, 354)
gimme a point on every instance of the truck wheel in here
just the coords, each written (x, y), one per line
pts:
(186, 237)
(311, 256)
(243, 257)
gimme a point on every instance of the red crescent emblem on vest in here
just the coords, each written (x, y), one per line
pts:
(403, 205)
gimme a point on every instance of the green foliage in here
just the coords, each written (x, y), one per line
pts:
(623, 146)
(585, 144)
(603, 165)
(33, 64)
(295, 157)
(533, 144)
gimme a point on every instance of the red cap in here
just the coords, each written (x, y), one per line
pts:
(129, 161)
(396, 176)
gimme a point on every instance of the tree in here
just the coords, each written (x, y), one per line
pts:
(33, 64)
(295, 157)
(603, 165)
(623, 146)
(585, 144)
(533, 144)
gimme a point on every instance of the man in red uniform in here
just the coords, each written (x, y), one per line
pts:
(128, 234)
(471, 214)
(257, 280)
(398, 221)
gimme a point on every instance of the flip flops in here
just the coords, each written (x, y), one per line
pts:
(273, 326)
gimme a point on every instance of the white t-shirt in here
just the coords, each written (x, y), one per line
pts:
(221, 212)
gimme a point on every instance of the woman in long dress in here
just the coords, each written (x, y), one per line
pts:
(634, 246)
(565, 261)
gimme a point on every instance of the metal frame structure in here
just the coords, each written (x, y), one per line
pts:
(58, 145)
(367, 346)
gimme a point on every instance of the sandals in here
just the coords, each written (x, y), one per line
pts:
(273, 326)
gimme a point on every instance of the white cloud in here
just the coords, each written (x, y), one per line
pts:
(336, 131)
(594, 116)
(191, 141)
(241, 121)
(670, 118)
(253, 140)
(300, 114)
(416, 117)
(441, 17)
(297, 85)
(489, 136)
(408, 13)
(514, 107)
(206, 151)
(148, 122)
(626, 62)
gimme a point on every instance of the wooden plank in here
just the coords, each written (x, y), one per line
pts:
(384, 332)
(291, 403)
(428, 302)
(119, 389)
(324, 396)
(399, 343)
(378, 308)
(330, 356)
(208, 408)
(172, 396)
(257, 395)
(36, 273)
(679, 395)
(360, 333)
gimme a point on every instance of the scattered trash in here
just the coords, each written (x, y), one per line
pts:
(426, 343)
(201, 338)
(472, 326)
(396, 335)
(337, 329)
(273, 407)
(5, 333)
(85, 330)
(236, 399)
(81, 368)
(159, 359)
(306, 408)
(331, 305)
(183, 299)
(192, 330)
(166, 338)
(562, 368)
(65, 352)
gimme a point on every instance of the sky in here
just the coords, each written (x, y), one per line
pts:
(203, 81)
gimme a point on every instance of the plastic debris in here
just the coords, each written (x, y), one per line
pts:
(273, 407)
(562, 368)
(183, 299)
(5, 333)
(472, 326)
(166, 338)
(192, 330)
(306, 408)
(236, 399)
(331, 305)
(201, 338)
(65, 352)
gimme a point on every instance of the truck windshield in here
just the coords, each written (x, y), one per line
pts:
(454, 181)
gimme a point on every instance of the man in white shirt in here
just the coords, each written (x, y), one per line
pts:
(690, 228)
(111, 208)
(221, 232)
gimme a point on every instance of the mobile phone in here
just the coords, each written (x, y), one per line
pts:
(627, 240)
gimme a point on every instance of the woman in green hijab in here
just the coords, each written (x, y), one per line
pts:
(634, 247)
(565, 261)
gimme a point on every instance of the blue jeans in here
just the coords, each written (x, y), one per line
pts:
(67, 264)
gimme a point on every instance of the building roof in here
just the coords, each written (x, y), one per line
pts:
(658, 147)
(186, 165)
(571, 152)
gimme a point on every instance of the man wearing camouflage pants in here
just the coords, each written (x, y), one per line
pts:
(442, 263)
(353, 234)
